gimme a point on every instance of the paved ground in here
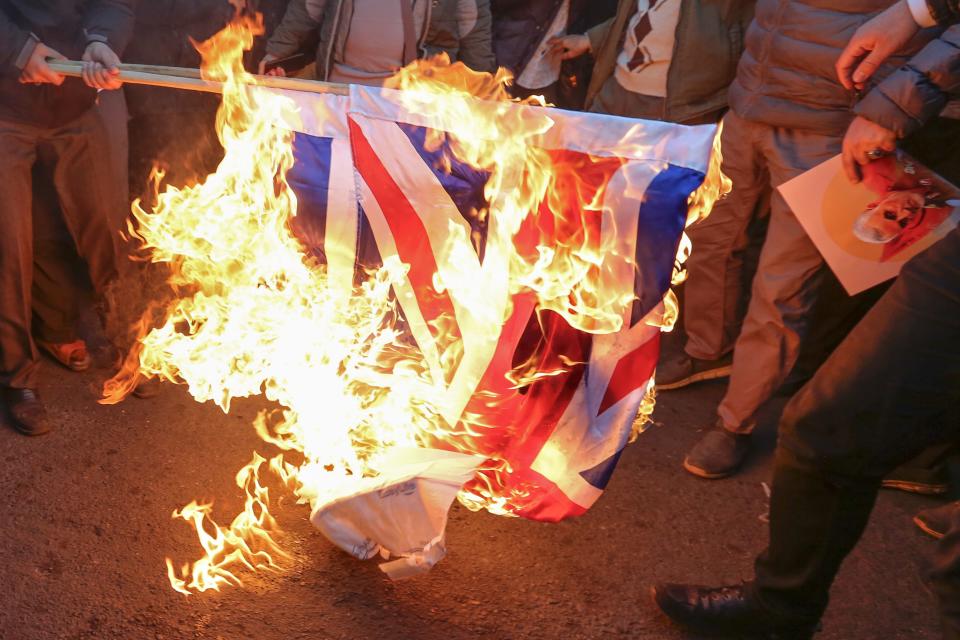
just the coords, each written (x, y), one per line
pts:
(85, 527)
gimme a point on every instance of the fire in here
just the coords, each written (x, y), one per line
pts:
(253, 315)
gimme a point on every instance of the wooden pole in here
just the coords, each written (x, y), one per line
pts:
(190, 79)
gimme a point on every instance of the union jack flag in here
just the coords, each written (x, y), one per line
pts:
(369, 188)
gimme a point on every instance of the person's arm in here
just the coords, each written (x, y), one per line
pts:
(16, 45)
(476, 46)
(298, 27)
(110, 22)
(108, 27)
(908, 98)
(599, 33)
(919, 90)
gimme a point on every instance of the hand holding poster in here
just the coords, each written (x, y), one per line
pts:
(866, 232)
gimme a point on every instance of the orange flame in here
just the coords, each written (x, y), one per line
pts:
(253, 315)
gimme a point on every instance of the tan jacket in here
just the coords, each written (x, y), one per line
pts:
(708, 44)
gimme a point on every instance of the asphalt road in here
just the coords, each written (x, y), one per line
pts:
(85, 527)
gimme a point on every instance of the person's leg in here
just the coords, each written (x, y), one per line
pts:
(18, 354)
(711, 307)
(85, 186)
(59, 282)
(784, 289)
(887, 392)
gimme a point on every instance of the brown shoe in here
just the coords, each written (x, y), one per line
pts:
(28, 414)
(718, 454)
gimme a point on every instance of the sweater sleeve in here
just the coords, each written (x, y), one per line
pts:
(598, 34)
(111, 22)
(919, 90)
(298, 27)
(16, 46)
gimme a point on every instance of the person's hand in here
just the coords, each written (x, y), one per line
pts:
(101, 67)
(276, 71)
(568, 47)
(864, 141)
(37, 71)
(874, 42)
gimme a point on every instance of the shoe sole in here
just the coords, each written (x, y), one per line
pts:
(927, 530)
(701, 473)
(915, 487)
(700, 376)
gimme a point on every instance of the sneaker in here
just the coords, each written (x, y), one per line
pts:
(936, 520)
(718, 454)
(682, 370)
(732, 611)
(28, 414)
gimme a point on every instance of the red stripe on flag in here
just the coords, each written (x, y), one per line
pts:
(409, 235)
(631, 373)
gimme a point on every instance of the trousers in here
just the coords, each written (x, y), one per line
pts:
(889, 391)
(78, 156)
(757, 158)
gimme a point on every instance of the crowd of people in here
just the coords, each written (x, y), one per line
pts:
(874, 378)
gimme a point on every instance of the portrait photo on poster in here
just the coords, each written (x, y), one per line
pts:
(866, 232)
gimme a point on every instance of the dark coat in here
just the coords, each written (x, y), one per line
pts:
(163, 33)
(66, 26)
(518, 25)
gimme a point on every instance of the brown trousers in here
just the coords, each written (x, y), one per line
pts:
(758, 158)
(78, 155)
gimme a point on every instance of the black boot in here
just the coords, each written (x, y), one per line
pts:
(729, 611)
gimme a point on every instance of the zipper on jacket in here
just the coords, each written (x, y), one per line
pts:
(328, 62)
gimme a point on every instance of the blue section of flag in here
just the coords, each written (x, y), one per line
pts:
(463, 183)
(661, 219)
(600, 475)
(310, 180)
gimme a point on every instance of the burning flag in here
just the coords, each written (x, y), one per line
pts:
(430, 266)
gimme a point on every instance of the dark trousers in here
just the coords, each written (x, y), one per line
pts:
(890, 390)
(79, 158)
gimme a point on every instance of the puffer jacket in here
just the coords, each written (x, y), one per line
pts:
(460, 28)
(919, 90)
(786, 77)
(708, 43)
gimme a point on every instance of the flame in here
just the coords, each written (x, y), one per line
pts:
(250, 314)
